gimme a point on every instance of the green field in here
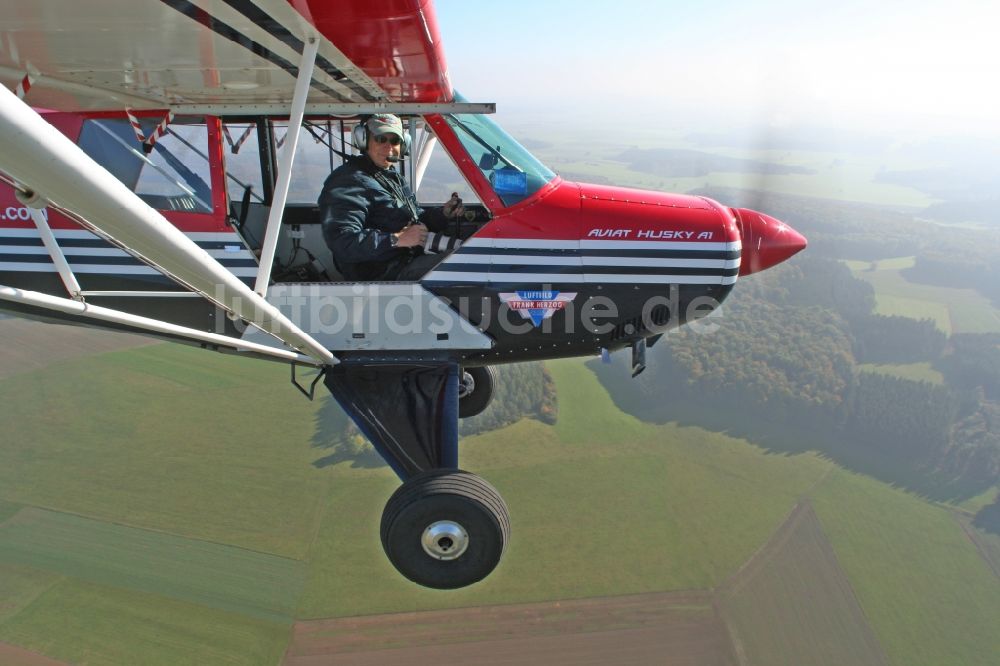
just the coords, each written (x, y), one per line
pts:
(210, 574)
(167, 438)
(8, 510)
(169, 512)
(920, 372)
(953, 310)
(975, 503)
(893, 264)
(20, 586)
(95, 624)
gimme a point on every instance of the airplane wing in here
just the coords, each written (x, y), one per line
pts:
(193, 55)
(204, 57)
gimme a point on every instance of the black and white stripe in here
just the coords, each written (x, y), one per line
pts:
(22, 250)
(438, 243)
(548, 261)
(271, 36)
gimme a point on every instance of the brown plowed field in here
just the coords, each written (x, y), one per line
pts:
(679, 629)
(11, 655)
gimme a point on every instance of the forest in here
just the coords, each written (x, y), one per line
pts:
(788, 354)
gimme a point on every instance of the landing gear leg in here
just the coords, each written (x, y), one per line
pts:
(443, 528)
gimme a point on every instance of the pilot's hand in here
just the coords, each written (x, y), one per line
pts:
(453, 207)
(412, 236)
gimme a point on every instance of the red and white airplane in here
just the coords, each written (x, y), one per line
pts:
(149, 149)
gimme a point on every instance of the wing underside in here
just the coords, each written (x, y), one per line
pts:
(203, 57)
(155, 54)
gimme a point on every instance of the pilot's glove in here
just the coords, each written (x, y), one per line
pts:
(453, 207)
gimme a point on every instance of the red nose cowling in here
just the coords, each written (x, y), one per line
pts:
(766, 241)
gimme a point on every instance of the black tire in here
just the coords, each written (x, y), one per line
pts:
(450, 498)
(478, 385)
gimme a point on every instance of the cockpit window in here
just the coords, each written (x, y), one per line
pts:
(512, 171)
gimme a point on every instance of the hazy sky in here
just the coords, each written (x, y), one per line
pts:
(862, 64)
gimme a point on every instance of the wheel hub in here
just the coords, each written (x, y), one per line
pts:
(445, 540)
(466, 385)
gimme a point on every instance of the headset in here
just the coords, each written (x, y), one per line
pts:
(359, 137)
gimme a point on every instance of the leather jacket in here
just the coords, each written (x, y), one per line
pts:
(361, 206)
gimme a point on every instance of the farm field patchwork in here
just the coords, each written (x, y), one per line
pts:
(688, 505)
(793, 605)
(19, 586)
(834, 176)
(81, 622)
(674, 629)
(242, 471)
(953, 310)
(167, 438)
(929, 596)
(214, 575)
(29, 346)
(12, 655)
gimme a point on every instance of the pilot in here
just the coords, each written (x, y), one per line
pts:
(371, 221)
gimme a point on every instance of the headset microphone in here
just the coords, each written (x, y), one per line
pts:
(391, 158)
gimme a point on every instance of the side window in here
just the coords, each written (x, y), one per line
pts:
(174, 176)
(319, 152)
(242, 156)
(315, 157)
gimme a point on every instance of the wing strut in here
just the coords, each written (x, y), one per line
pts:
(42, 160)
(285, 166)
(38, 304)
(52, 245)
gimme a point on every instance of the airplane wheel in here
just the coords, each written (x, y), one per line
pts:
(445, 529)
(475, 390)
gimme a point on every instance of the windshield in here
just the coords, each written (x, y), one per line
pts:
(512, 171)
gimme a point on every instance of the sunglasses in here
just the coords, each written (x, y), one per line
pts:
(388, 138)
